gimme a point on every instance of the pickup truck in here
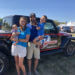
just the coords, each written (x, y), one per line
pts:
(56, 42)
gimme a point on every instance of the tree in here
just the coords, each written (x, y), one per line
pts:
(58, 23)
(0, 19)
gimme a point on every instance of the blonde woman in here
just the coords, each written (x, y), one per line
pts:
(19, 50)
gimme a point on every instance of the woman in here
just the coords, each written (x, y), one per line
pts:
(19, 51)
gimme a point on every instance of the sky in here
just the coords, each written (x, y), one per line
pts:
(61, 10)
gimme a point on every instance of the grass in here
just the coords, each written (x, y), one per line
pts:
(73, 34)
(56, 64)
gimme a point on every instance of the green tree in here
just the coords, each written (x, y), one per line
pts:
(58, 23)
(0, 19)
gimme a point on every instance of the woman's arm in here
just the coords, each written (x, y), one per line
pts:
(25, 40)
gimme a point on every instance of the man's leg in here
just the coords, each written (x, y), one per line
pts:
(35, 64)
(37, 57)
(29, 57)
(29, 64)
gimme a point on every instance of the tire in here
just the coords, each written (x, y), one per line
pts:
(70, 49)
(4, 63)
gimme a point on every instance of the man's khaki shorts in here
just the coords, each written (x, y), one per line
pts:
(33, 51)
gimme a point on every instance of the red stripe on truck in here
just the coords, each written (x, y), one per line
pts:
(5, 34)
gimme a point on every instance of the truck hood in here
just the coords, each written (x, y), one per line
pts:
(65, 33)
(5, 33)
(2, 31)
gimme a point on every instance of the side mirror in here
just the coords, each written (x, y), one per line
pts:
(58, 29)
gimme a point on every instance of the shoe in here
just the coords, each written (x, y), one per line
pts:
(29, 73)
(36, 72)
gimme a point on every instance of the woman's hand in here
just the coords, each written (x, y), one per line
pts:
(22, 40)
(17, 33)
(13, 39)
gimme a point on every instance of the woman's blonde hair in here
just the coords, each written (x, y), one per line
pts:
(24, 18)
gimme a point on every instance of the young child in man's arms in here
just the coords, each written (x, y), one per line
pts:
(38, 39)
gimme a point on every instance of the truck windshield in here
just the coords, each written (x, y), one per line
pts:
(7, 23)
(10, 20)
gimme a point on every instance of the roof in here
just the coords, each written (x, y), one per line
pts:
(23, 15)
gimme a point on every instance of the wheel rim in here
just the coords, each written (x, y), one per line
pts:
(1, 65)
(70, 49)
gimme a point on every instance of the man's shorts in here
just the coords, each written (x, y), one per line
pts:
(33, 51)
(18, 51)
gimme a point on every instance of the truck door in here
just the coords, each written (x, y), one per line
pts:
(51, 37)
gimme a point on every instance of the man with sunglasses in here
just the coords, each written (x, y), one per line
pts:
(32, 49)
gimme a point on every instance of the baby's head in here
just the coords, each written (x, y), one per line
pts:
(14, 27)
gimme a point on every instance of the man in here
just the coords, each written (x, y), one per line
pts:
(32, 49)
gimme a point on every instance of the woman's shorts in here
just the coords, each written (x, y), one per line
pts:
(18, 51)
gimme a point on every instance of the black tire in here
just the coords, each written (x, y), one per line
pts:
(4, 63)
(70, 49)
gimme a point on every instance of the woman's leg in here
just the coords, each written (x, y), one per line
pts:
(21, 65)
(17, 64)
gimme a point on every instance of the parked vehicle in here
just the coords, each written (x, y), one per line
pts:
(66, 29)
(59, 42)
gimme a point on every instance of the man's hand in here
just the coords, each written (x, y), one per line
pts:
(38, 28)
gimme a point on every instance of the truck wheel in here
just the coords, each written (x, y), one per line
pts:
(70, 49)
(4, 63)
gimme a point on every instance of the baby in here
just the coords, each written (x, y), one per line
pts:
(14, 33)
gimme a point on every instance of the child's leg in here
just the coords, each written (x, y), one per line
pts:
(15, 43)
(36, 41)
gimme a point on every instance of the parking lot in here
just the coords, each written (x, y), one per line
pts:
(56, 64)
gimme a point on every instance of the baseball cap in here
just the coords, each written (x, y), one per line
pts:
(32, 14)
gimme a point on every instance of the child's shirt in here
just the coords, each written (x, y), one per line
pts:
(41, 30)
